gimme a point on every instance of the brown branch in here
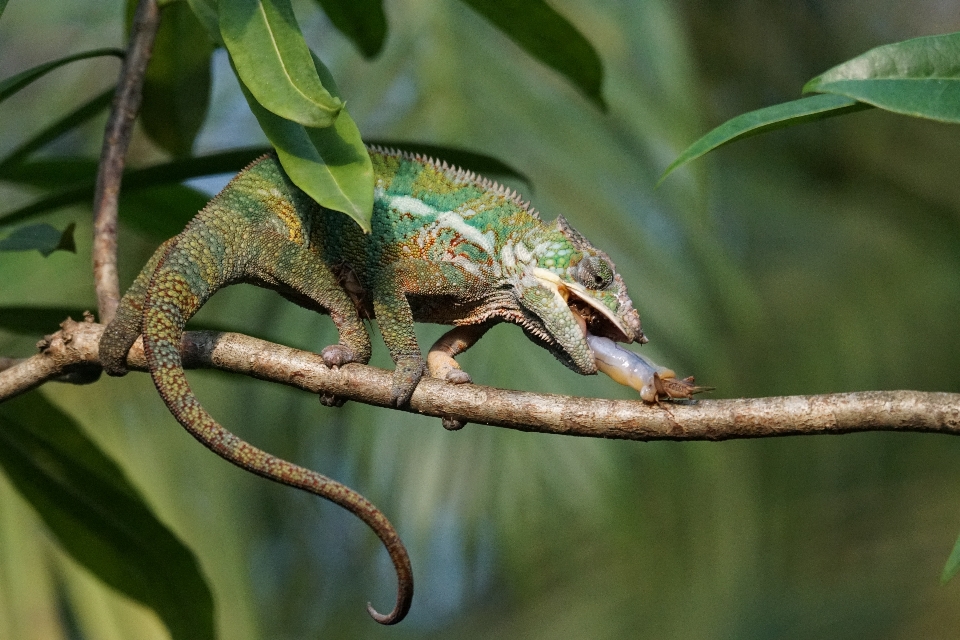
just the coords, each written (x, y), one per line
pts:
(73, 351)
(116, 139)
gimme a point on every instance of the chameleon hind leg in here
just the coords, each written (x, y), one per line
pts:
(126, 326)
(301, 276)
(440, 359)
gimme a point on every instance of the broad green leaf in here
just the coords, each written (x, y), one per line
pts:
(362, 21)
(135, 179)
(67, 123)
(208, 15)
(479, 163)
(161, 212)
(767, 119)
(13, 84)
(176, 88)
(331, 165)
(33, 321)
(50, 173)
(98, 516)
(952, 567)
(272, 60)
(42, 237)
(918, 77)
(549, 37)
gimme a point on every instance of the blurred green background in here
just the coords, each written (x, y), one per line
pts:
(817, 259)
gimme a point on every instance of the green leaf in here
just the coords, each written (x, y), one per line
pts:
(51, 173)
(67, 123)
(176, 88)
(272, 60)
(952, 566)
(331, 165)
(32, 321)
(13, 84)
(42, 237)
(170, 172)
(161, 212)
(549, 37)
(98, 516)
(3, 5)
(767, 119)
(479, 163)
(918, 77)
(362, 21)
(207, 14)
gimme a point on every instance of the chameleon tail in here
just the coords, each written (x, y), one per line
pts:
(163, 324)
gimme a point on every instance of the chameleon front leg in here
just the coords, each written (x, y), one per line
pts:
(440, 359)
(396, 324)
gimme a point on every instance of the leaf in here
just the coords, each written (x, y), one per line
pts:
(50, 173)
(272, 60)
(13, 84)
(470, 160)
(952, 566)
(918, 77)
(766, 119)
(549, 37)
(67, 123)
(330, 165)
(42, 237)
(362, 21)
(170, 172)
(207, 14)
(99, 517)
(3, 5)
(31, 321)
(176, 88)
(161, 212)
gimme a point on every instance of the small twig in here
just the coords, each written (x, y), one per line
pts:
(116, 139)
(76, 346)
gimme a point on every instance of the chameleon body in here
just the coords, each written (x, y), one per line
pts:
(446, 247)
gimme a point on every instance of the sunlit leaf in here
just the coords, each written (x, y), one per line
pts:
(549, 37)
(67, 123)
(43, 237)
(479, 163)
(362, 21)
(330, 165)
(176, 88)
(13, 84)
(98, 516)
(767, 119)
(274, 63)
(918, 77)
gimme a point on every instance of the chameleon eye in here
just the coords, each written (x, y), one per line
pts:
(594, 273)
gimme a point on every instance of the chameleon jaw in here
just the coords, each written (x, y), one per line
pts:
(588, 312)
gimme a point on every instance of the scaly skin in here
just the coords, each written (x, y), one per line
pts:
(446, 247)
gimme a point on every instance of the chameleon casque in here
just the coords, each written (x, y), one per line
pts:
(446, 246)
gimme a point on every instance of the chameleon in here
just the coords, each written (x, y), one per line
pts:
(446, 246)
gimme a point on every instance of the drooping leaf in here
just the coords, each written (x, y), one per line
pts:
(766, 119)
(918, 77)
(548, 37)
(362, 21)
(43, 237)
(13, 84)
(171, 172)
(50, 173)
(208, 15)
(952, 567)
(482, 164)
(176, 88)
(331, 165)
(98, 516)
(274, 63)
(67, 123)
(34, 321)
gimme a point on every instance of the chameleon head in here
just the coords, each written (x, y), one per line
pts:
(569, 289)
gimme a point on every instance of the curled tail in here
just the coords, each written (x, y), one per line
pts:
(167, 307)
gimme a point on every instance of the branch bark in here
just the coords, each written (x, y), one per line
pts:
(116, 139)
(73, 350)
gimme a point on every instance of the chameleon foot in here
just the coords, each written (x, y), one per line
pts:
(453, 424)
(337, 355)
(405, 378)
(331, 399)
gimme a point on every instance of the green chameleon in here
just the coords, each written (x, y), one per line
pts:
(446, 246)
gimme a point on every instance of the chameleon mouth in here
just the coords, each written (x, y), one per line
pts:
(591, 315)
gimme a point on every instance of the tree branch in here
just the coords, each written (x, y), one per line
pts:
(73, 351)
(116, 139)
